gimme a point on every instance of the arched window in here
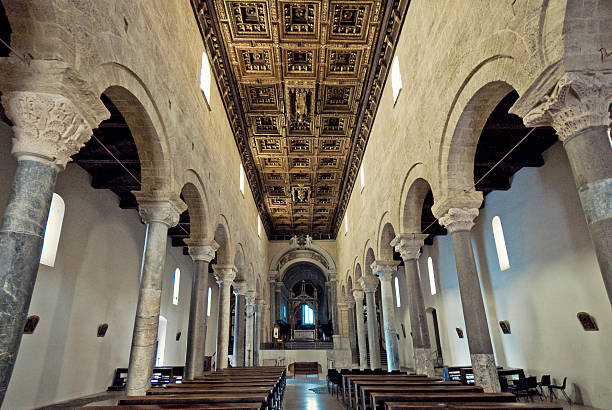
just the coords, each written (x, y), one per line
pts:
(208, 302)
(398, 303)
(396, 79)
(176, 286)
(345, 222)
(500, 244)
(432, 278)
(259, 226)
(362, 177)
(307, 315)
(205, 78)
(53, 231)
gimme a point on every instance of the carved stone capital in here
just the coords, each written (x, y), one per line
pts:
(459, 219)
(579, 100)
(384, 269)
(46, 126)
(164, 212)
(225, 274)
(241, 287)
(272, 276)
(249, 297)
(358, 294)
(279, 286)
(350, 301)
(368, 283)
(203, 251)
(409, 245)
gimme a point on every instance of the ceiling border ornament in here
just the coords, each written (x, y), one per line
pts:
(209, 13)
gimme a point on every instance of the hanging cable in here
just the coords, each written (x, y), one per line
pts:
(489, 171)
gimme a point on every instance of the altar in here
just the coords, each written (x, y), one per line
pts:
(304, 334)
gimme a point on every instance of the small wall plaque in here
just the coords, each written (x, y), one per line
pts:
(587, 321)
(30, 324)
(102, 329)
(505, 327)
(178, 336)
(459, 332)
(404, 330)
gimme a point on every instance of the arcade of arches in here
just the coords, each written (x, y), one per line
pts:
(373, 184)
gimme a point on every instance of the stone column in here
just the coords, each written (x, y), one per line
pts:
(333, 300)
(202, 253)
(369, 283)
(225, 275)
(409, 247)
(385, 271)
(352, 334)
(260, 307)
(249, 327)
(240, 290)
(361, 332)
(459, 222)
(158, 216)
(48, 129)
(273, 315)
(278, 288)
(578, 109)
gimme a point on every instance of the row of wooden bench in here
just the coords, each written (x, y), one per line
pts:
(248, 388)
(395, 391)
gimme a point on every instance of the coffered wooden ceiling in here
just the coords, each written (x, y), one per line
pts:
(301, 81)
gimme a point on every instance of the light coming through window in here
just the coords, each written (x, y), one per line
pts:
(258, 226)
(53, 231)
(500, 244)
(432, 278)
(307, 315)
(396, 79)
(205, 78)
(345, 223)
(208, 302)
(241, 179)
(362, 177)
(398, 303)
(175, 286)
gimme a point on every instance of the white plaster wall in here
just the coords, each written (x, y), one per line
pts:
(94, 281)
(553, 275)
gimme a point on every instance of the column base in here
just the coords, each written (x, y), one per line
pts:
(485, 372)
(423, 362)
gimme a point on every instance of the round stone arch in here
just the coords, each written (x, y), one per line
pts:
(240, 264)
(358, 274)
(486, 84)
(386, 233)
(137, 106)
(280, 263)
(197, 205)
(368, 259)
(412, 198)
(223, 238)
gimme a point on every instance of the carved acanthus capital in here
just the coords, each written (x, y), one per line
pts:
(202, 251)
(350, 301)
(163, 211)
(409, 245)
(240, 287)
(225, 274)
(368, 283)
(384, 269)
(459, 219)
(358, 294)
(578, 101)
(46, 126)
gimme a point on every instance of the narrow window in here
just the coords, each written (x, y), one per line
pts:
(396, 79)
(308, 315)
(362, 177)
(500, 244)
(432, 278)
(53, 231)
(398, 303)
(208, 302)
(345, 223)
(259, 226)
(175, 286)
(241, 179)
(205, 78)
(161, 341)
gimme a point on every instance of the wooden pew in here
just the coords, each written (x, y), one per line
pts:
(379, 398)
(347, 379)
(366, 390)
(467, 405)
(214, 406)
(189, 399)
(394, 383)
